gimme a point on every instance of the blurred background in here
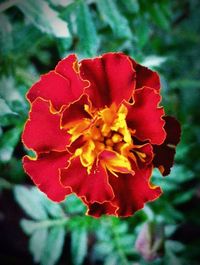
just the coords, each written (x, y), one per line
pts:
(163, 35)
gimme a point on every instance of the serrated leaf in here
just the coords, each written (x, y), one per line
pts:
(111, 14)
(29, 226)
(37, 243)
(44, 17)
(158, 16)
(153, 61)
(88, 40)
(6, 40)
(54, 246)
(63, 3)
(184, 197)
(142, 31)
(30, 202)
(8, 142)
(53, 209)
(8, 90)
(73, 205)
(131, 6)
(4, 108)
(79, 246)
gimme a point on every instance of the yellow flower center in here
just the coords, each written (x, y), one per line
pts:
(106, 130)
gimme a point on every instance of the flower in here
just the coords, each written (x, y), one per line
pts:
(98, 131)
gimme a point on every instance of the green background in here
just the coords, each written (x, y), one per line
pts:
(163, 35)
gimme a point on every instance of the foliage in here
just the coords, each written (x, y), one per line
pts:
(164, 35)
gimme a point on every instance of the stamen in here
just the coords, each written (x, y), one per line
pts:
(116, 138)
(106, 130)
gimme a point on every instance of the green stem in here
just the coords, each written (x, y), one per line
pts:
(7, 4)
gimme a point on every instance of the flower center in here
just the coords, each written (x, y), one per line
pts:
(106, 130)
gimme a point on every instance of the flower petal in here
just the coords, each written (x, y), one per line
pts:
(115, 162)
(61, 86)
(42, 131)
(111, 76)
(94, 187)
(164, 154)
(132, 191)
(145, 116)
(144, 154)
(44, 171)
(99, 209)
(76, 111)
(146, 77)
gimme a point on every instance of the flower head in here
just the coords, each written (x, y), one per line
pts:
(98, 131)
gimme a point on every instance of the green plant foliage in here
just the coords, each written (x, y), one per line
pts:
(88, 41)
(46, 229)
(163, 35)
(44, 17)
(111, 15)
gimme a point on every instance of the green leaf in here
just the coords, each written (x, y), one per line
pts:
(63, 3)
(159, 16)
(8, 142)
(37, 243)
(73, 205)
(88, 40)
(131, 6)
(30, 202)
(29, 226)
(8, 90)
(79, 246)
(111, 14)
(6, 40)
(44, 18)
(142, 31)
(54, 246)
(4, 108)
(52, 208)
(184, 197)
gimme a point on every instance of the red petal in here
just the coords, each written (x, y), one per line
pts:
(145, 149)
(99, 209)
(164, 154)
(94, 187)
(42, 131)
(146, 77)
(76, 111)
(132, 191)
(111, 76)
(44, 171)
(61, 86)
(145, 116)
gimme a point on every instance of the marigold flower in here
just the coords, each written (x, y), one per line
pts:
(97, 130)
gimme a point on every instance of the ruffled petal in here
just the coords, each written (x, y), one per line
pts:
(61, 86)
(98, 209)
(76, 111)
(145, 116)
(94, 187)
(132, 191)
(42, 131)
(44, 171)
(115, 162)
(144, 154)
(112, 79)
(164, 154)
(146, 77)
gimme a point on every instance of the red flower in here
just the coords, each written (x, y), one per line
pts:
(97, 130)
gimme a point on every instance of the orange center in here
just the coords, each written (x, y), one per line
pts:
(106, 130)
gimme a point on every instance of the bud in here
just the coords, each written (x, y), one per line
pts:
(150, 241)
